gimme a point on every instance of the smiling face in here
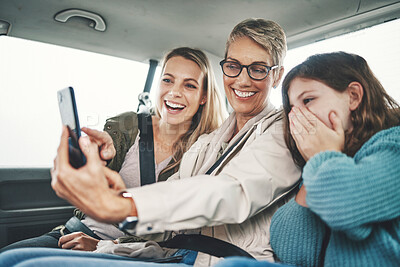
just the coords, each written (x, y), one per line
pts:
(321, 100)
(248, 97)
(180, 91)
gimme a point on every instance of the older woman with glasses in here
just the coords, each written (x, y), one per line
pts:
(230, 182)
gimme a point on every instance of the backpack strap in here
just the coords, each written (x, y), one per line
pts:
(146, 150)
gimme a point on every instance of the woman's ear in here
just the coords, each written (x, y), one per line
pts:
(203, 100)
(356, 93)
(278, 77)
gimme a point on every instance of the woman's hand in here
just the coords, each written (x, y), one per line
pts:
(78, 241)
(312, 135)
(93, 188)
(103, 141)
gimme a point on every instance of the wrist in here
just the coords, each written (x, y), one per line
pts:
(129, 223)
(116, 208)
(301, 196)
(128, 196)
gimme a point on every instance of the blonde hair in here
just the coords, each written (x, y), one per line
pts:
(266, 33)
(209, 116)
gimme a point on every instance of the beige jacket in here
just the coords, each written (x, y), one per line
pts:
(237, 201)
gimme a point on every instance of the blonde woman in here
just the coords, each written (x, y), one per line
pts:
(188, 105)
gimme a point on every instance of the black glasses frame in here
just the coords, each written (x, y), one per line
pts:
(247, 67)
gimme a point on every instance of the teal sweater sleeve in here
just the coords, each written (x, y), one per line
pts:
(296, 235)
(351, 194)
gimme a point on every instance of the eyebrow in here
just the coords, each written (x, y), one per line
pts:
(299, 96)
(303, 93)
(255, 62)
(185, 79)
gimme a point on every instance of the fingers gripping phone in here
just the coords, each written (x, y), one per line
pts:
(69, 117)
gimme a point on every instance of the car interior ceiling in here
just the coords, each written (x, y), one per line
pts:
(145, 29)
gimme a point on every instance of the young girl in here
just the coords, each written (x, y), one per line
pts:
(188, 105)
(345, 134)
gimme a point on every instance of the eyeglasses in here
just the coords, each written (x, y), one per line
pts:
(256, 71)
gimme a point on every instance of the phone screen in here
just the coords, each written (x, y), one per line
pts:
(69, 117)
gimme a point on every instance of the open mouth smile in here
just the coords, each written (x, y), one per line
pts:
(243, 94)
(173, 106)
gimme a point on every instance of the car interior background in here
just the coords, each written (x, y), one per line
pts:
(103, 49)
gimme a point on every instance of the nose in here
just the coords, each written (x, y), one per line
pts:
(176, 90)
(244, 79)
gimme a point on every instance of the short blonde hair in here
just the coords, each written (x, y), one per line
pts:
(266, 33)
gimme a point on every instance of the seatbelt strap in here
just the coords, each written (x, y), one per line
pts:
(146, 150)
(75, 225)
(219, 161)
(206, 244)
(226, 153)
(210, 245)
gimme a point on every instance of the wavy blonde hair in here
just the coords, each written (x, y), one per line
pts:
(209, 116)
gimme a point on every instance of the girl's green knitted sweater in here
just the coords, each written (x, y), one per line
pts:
(357, 198)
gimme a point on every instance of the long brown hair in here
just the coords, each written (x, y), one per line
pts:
(377, 110)
(209, 116)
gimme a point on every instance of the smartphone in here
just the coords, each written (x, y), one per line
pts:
(69, 117)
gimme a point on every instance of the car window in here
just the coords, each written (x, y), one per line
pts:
(31, 74)
(379, 45)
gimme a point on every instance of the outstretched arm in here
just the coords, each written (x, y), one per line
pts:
(93, 188)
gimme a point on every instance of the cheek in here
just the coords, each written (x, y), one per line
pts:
(227, 82)
(162, 91)
(263, 86)
(194, 99)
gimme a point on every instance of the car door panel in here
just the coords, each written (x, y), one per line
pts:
(28, 205)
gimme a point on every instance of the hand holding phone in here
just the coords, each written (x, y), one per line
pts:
(69, 117)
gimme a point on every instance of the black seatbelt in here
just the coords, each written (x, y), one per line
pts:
(218, 162)
(206, 244)
(146, 150)
(150, 75)
(211, 245)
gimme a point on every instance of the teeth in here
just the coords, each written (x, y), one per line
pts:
(174, 105)
(243, 94)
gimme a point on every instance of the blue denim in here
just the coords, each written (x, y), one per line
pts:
(68, 258)
(189, 256)
(246, 262)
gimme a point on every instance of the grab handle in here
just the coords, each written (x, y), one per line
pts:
(99, 23)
